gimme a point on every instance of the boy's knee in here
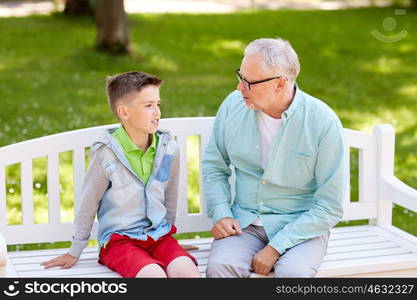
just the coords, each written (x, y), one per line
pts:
(183, 267)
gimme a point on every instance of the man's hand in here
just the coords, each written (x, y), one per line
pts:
(264, 260)
(64, 261)
(226, 227)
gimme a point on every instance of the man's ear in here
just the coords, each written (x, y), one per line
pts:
(122, 112)
(281, 82)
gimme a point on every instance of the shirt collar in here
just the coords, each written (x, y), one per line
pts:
(295, 102)
(127, 143)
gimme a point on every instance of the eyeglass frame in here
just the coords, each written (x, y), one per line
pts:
(241, 79)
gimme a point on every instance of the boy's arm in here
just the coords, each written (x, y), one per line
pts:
(95, 184)
(171, 191)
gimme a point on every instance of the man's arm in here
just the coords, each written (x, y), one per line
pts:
(330, 175)
(216, 171)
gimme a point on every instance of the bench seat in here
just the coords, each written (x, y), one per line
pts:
(368, 251)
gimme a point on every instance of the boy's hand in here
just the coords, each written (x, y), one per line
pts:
(64, 261)
(226, 227)
(189, 247)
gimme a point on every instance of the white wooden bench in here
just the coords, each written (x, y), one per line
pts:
(377, 249)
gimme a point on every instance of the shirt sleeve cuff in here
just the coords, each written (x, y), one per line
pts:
(281, 243)
(77, 247)
(221, 211)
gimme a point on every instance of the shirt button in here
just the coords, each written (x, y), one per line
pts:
(257, 147)
(263, 182)
(261, 203)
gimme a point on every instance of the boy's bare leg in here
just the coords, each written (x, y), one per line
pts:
(151, 271)
(182, 267)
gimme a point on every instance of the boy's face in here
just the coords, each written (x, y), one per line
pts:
(140, 112)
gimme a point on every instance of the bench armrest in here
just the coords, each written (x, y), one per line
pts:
(3, 255)
(396, 191)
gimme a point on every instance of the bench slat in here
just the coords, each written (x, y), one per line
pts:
(78, 165)
(53, 189)
(358, 241)
(46, 252)
(360, 211)
(366, 253)
(183, 180)
(56, 272)
(367, 179)
(358, 228)
(3, 211)
(35, 266)
(346, 199)
(361, 247)
(26, 178)
(203, 141)
(367, 265)
(41, 258)
(94, 275)
(352, 235)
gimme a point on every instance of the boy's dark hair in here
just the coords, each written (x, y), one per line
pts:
(122, 84)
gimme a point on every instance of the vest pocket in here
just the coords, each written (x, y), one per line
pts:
(118, 176)
(165, 168)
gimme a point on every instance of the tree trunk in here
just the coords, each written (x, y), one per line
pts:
(112, 31)
(78, 8)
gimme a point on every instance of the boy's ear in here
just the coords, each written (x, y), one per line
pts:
(122, 112)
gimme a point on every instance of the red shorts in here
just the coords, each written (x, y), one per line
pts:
(128, 256)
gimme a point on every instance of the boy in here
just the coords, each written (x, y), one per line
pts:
(131, 184)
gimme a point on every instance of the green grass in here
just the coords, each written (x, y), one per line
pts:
(51, 79)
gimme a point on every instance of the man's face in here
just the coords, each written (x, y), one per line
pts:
(260, 94)
(141, 110)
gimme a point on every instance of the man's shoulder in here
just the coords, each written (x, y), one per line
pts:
(233, 99)
(232, 105)
(320, 110)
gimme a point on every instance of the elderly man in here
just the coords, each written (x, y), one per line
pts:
(288, 153)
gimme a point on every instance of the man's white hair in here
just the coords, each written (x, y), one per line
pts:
(280, 59)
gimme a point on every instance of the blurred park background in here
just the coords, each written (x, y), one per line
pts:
(358, 56)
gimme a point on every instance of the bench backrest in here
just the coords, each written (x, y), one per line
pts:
(372, 147)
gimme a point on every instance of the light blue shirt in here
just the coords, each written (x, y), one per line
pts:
(299, 195)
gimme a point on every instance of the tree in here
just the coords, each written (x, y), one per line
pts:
(78, 8)
(112, 30)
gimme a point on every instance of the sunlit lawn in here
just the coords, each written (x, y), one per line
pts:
(51, 80)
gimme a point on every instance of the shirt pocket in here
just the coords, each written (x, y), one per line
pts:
(165, 168)
(118, 175)
(297, 170)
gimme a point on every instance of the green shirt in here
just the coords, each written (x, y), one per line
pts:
(141, 162)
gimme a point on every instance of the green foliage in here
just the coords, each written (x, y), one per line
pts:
(51, 79)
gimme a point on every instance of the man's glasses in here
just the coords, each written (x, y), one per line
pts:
(246, 84)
